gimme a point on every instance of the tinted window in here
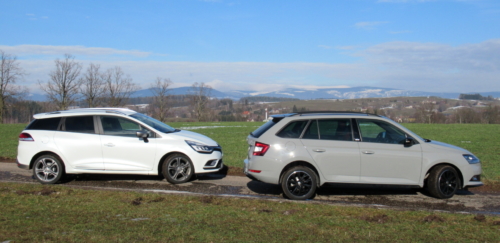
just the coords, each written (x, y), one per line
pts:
(50, 124)
(118, 126)
(312, 131)
(293, 129)
(335, 129)
(380, 132)
(262, 129)
(82, 124)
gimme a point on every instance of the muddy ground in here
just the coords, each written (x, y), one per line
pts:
(482, 200)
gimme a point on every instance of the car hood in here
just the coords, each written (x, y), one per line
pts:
(439, 145)
(193, 136)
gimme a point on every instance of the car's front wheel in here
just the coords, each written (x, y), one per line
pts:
(299, 183)
(177, 168)
(48, 169)
(443, 182)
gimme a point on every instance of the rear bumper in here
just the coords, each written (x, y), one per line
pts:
(263, 176)
(22, 166)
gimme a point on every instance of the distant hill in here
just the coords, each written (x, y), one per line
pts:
(306, 94)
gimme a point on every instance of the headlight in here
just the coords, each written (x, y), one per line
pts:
(471, 159)
(199, 147)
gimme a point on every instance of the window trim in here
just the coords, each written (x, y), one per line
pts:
(371, 119)
(62, 124)
(301, 133)
(101, 129)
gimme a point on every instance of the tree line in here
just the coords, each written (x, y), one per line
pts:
(68, 84)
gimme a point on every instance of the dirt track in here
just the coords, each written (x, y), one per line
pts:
(467, 201)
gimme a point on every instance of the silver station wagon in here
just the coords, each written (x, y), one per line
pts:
(302, 151)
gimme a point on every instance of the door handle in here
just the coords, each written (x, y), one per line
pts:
(109, 145)
(319, 150)
(368, 152)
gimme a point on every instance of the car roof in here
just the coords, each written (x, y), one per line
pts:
(85, 111)
(324, 114)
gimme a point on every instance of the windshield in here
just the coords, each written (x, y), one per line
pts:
(158, 125)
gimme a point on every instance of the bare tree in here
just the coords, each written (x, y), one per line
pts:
(161, 100)
(63, 85)
(200, 96)
(119, 87)
(10, 72)
(92, 86)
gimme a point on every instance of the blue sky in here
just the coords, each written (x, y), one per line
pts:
(426, 45)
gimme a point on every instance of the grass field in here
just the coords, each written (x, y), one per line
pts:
(481, 139)
(36, 213)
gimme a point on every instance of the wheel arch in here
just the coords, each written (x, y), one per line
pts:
(462, 182)
(300, 163)
(33, 159)
(160, 163)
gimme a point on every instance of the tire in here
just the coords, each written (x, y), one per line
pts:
(299, 183)
(443, 182)
(48, 169)
(177, 168)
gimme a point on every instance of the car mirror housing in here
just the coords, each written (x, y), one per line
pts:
(143, 135)
(408, 142)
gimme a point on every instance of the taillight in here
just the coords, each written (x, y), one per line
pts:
(260, 149)
(26, 137)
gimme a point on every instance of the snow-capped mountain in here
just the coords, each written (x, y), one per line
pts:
(306, 94)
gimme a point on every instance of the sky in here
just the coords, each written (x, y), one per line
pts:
(263, 45)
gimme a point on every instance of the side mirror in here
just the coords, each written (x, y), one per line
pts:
(142, 134)
(408, 142)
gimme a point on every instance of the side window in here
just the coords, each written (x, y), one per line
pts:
(311, 131)
(293, 129)
(380, 132)
(335, 129)
(117, 126)
(81, 124)
(50, 124)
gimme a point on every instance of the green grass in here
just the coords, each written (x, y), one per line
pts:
(481, 139)
(37, 213)
(9, 139)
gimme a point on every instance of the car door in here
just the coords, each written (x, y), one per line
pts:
(384, 158)
(121, 148)
(79, 143)
(330, 143)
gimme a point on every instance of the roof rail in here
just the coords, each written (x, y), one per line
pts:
(333, 112)
(116, 112)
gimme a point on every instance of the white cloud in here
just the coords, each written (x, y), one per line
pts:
(325, 47)
(403, 65)
(399, 32)
(369, 25)
(21, 50)
(346, 47)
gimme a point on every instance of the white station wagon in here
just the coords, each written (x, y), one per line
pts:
(302, 151)
(113, 141)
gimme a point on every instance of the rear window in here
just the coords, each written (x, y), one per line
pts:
(293, 129)
(262, 129)
(50, 124)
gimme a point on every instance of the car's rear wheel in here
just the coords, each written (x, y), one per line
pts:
(299, 183)
(177, 168)
(443, 182)
(48, 169)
